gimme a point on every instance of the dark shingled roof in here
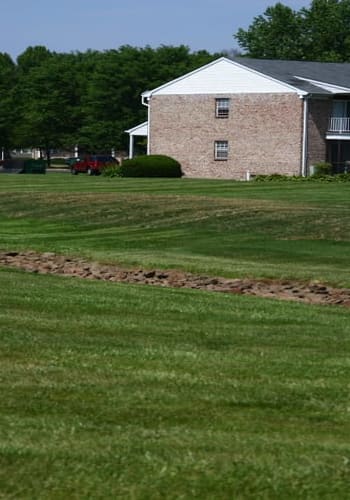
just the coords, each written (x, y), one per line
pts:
(287, 71)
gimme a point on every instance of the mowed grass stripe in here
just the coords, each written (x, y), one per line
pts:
(312, 192)
(233, 237)
(113, 390)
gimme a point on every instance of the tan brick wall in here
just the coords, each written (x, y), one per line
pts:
(264, 132)
(319, 113)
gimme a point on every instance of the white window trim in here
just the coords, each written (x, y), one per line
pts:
(221, 150)
(222, 107)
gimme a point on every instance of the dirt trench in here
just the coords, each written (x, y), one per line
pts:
(51, 263)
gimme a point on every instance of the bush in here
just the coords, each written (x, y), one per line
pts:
(277, 178)
(111, 170)
(342, 177)
(322, 168)
(330, 178)
(150, 166)
(298, 178)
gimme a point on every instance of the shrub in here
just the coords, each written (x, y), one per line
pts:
(298, 178)
(322, 168)
(343, 177)
(276, 178)
(150, 166)
(111, 170)
(330, 178)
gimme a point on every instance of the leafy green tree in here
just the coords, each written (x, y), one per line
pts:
(33, 57)
(49, 103)
(7, 101)
(274, 35)
(318, 33)
(327, 30)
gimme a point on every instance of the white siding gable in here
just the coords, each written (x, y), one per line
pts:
(223, 76)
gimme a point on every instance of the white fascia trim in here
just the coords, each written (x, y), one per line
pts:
(137, 128)
(335, 89)
(149, 93)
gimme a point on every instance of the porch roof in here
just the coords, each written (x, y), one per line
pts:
(140, 130)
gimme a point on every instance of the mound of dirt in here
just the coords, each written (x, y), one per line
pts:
(51, 263)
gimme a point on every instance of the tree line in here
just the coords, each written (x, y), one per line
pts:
(56, 100)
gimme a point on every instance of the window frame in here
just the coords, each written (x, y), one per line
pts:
(222, 107)
(221, 150)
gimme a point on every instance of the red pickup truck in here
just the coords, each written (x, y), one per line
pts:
(92, 164)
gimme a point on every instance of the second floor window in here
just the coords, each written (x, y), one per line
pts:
(222, 107)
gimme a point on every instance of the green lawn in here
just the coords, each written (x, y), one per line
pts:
(124, 391)
(117, 391)
(217, 227)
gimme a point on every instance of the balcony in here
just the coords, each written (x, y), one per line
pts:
(339, 126)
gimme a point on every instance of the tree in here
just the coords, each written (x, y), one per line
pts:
(318, 33)
(49, 103)
(274, 35)
(7, 100)
(33, 57)
(327, 30)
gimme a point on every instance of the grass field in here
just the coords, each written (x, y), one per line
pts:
(215, 227)
(120, 391)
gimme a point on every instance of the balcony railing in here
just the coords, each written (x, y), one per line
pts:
(339, 125)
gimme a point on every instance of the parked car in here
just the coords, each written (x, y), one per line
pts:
(92, 164)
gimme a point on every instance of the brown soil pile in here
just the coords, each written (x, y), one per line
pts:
(50, 263)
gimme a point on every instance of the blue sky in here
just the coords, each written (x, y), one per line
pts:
(70, 25)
